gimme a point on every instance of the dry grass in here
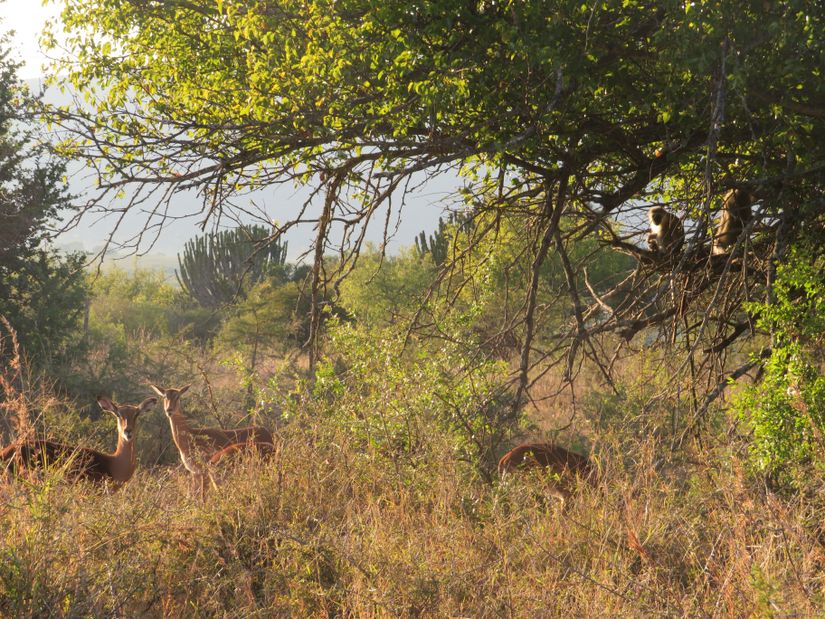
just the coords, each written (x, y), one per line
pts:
(14, 409)
(328, 528)
(338, 525)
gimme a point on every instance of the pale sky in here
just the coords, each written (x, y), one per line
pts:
(26, 18)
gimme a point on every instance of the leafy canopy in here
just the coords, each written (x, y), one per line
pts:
(217, 88)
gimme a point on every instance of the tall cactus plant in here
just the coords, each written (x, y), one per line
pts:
(216, 269)
(439, 242)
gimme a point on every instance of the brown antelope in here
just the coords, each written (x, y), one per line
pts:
(198, 445)
(82, 462)
(565, 465)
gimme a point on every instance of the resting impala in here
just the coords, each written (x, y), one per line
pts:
(82, 462)
(566, 465)
(198, 445)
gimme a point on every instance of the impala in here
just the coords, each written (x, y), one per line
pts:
(565, 465)
(82, 462)
(198, 445)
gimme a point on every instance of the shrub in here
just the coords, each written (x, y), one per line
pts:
(786, 410)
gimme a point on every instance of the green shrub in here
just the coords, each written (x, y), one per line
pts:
(786, 410)
(392, 398)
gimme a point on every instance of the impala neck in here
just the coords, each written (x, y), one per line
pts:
(182, 437)
(178, 421)
(124, 460)
(180, 432)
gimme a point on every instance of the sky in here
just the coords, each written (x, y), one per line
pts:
(27, 18)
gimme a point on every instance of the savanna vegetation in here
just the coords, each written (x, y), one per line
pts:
(692, 377)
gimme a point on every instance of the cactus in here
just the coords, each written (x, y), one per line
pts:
(438, 245)
(216, 269)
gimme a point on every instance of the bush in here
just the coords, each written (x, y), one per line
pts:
(786, 410)
(391, 398)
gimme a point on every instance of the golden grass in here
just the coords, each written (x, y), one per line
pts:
(329, 528)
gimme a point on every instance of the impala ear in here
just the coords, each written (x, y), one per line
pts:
(107, 404)
(147, 404)
(184, 389)
(157, 390)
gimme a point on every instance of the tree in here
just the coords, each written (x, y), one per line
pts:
(32, 187)
(268, 317)
(42, 293)
(141, 303)
(44, 299)
(386, 290)
(215, 269)
(569, 117)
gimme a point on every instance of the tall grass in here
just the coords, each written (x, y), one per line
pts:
(328, 528)
(370, 507)
(14, 410)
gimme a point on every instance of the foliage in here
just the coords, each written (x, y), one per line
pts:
(564, 120)
(137, 325)
(393, 399)
(492, 275)
(42, 293)
(268, 324)
(786, 410)
(44, 297)
(32, 185)
(142, 301)
(271, 316)
(218, 268)
(484, 79)
(568, 114)
(274, 318)
(386, 290)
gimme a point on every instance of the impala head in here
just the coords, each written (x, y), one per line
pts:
(126, 414)
(171, 397)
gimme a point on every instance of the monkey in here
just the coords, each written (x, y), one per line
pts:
(666, 231)
(734, 216)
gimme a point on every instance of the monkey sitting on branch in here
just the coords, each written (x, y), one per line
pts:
(734, 216)
(667, 234)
